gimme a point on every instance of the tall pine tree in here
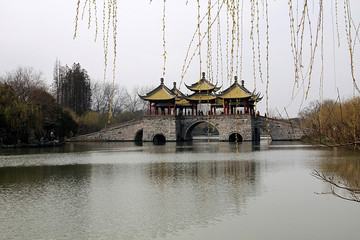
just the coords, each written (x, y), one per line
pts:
(72, 87)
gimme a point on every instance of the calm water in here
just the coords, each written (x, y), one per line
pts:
(196, 190)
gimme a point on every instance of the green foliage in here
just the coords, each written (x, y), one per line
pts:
(91, 122)
(16, 115)
(66, 126)
(128, 115)
(28, 112)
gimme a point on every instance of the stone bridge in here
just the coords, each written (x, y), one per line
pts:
(243, 127)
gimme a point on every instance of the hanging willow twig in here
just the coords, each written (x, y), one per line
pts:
(348, 26)
(219, 55)
(114, 25)
(199, 36)
(267, 71)
(304, 30)
(187, 60)
(252, 2)
(209, 45)
(258, 40)
(241, 39)
(109, 21)
(164, 38)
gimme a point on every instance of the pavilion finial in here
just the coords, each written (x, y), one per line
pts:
(203, 75)
(235, 78)
(162, 81)
(174, 84)
(243, 83)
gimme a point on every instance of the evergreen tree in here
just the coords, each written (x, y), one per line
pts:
(72, 87)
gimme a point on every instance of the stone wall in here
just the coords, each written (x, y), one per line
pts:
(280, 130)
(229, 124)
(225, 124)
(178, 128)
(159, 125)
(120, 132)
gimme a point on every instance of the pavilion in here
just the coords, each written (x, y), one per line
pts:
(234, 100)
(237, 96)
(161, 99)
(203, 92)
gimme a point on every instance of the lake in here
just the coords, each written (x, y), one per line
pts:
(195, 190)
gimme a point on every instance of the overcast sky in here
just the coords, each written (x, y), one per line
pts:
(36, 32)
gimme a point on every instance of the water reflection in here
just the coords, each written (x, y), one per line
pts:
(126, 191)
(123, 200)
(201, 146)
(167, 147)
(186, 194)
(239, 172)
(33, 175)
(343, 168)
(41, 202)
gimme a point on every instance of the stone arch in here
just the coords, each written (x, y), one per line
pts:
(187, 133)
(235, 136)
(159, 138)
(139, 135)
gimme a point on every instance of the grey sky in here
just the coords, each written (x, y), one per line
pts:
(35, 33)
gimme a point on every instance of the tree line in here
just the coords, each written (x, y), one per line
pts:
(333, 123)
(28, 112)
(31, 112)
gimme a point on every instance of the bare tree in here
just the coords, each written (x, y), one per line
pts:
(101, 98)
(98, 100)
(23, 80)
(333, 123)
(134, 102)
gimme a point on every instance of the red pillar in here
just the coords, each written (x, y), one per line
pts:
(169, 109)
(156, 111)
(150, 108)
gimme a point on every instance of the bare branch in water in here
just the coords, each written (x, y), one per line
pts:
(350, 193)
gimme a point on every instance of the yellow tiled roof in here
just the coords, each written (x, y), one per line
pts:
(235, 92)
(203, 85)
(161, 93)
(182, 102)
(199, 97)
